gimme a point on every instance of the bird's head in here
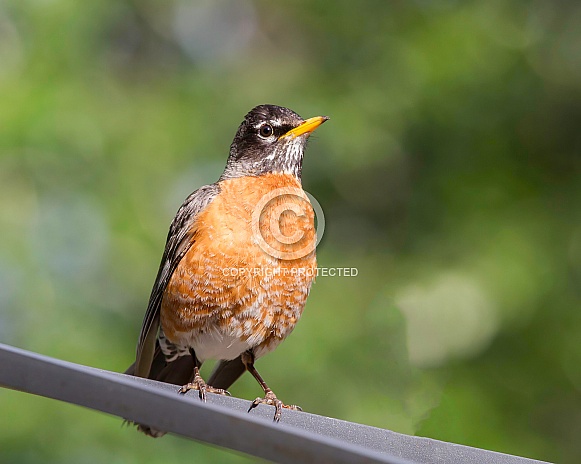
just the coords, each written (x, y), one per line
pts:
(271, 139)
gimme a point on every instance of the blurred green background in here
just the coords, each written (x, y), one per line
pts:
(449, 175)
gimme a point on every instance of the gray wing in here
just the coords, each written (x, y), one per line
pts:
(179, 241)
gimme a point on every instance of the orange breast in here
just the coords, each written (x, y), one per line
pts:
(249, 271)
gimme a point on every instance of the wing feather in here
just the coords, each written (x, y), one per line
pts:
(179, 241)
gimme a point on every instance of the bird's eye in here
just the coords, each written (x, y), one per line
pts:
(265, 131)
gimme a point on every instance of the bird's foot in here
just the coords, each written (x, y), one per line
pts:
(271, 399)
(198, 384)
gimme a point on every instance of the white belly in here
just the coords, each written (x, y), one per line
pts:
(214, 344)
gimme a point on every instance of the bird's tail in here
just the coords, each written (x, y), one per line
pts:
(226, 373)
(178, 372)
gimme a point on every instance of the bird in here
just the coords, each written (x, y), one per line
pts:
(238, 265)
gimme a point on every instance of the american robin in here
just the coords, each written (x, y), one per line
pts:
(238, 264)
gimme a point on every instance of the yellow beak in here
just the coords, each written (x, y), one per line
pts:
(306, 127)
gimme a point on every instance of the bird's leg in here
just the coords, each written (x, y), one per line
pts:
(269, 396)
(197, 382)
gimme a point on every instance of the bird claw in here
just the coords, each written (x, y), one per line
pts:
(271, 399)
(202, 387)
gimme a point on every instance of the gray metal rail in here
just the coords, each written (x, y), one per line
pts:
(223, 421)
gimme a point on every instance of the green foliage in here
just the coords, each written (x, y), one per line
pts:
(449, 175)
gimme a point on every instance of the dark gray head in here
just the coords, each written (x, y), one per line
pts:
(270, 139)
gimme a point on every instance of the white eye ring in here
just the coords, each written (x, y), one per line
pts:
(265, 131)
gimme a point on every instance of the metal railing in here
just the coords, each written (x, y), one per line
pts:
(223, 421)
